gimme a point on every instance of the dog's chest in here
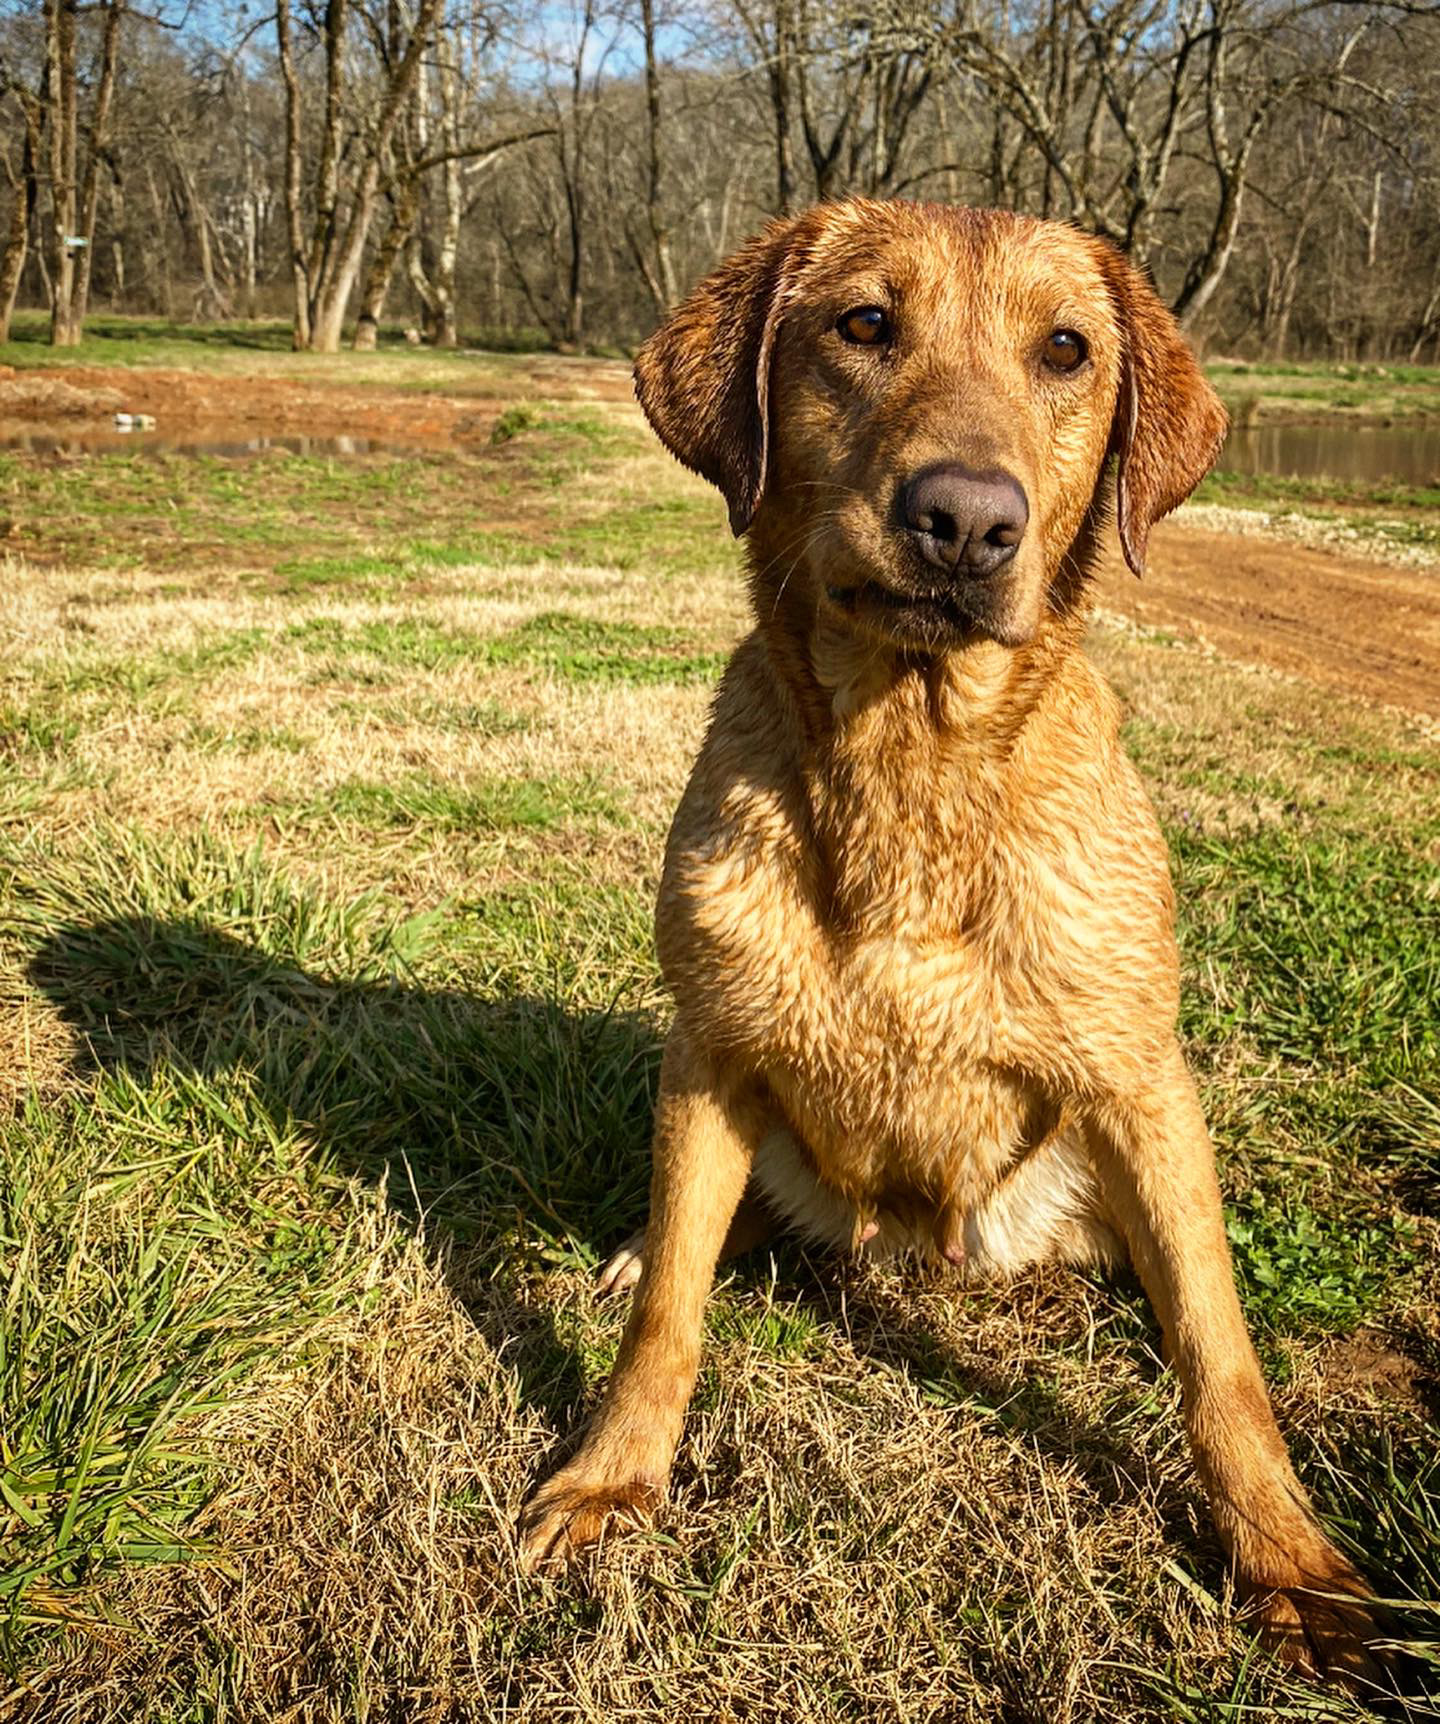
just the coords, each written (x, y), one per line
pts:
(920, 951)
(894, 1009)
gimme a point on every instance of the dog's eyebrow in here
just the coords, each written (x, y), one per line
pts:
(863, 291)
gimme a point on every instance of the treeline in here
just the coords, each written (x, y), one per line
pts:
(563, 172)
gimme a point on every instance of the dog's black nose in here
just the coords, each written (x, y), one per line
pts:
(965, 523)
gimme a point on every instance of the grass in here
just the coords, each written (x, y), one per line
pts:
(1267, 490)
(1370, 513)
(115, 339)
(1320, 391)
(332, 1029)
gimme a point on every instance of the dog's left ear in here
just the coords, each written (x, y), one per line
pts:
(1169, 423)
(703, 377)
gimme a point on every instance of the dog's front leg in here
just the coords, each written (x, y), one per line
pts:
(1157, 1170)
(706, 1129)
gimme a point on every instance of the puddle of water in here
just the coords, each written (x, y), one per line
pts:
(1410, 456)
(90, 440)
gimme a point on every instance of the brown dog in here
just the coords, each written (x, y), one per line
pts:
(916, 911)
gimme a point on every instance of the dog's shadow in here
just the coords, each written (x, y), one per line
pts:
(487, 1115)
(477, 1108)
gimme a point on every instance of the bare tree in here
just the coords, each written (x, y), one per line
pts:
(326, 269)
(75, 157)
(654, 260)
(24, 184)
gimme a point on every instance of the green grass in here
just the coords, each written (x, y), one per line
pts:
(1330, 371)
(586, 650)
(1266, 490)
(1327, 392)
(580, 649)
(378, 522)
(125, 340)
(1322, 954)
(527, 803)
(333, 1026)
(158, 1256)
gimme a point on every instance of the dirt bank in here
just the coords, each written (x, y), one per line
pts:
(1340, 623)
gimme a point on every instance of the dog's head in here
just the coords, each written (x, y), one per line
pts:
(914, 405)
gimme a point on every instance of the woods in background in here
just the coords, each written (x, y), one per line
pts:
(562, 172)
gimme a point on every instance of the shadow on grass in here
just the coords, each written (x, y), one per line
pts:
(493, 1119)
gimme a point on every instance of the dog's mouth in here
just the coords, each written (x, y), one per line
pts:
(924, 618)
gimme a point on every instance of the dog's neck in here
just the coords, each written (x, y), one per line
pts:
(912, 762)
(859, 695)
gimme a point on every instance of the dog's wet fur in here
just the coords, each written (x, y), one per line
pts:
(916, 911)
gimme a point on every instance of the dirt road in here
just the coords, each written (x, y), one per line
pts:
(1338, 622)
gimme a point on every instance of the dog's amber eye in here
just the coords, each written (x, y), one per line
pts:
(1065, 350)
(866, 326)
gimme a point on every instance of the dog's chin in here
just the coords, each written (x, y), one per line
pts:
(936, 621)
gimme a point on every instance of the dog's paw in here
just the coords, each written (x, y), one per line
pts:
(623, 1269)
(568, 1514)
(1331, 1629)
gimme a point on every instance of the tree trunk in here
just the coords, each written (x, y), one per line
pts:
(382, 266)
(1208, 271)
(575, 275)
(61, 97)
(663, 287)
(447, 333)
(117, 236)
(443, 331)
(249, 209)
(17, 248)
(158, 256)
(1285, 292)
(300, 327)
(75, 203)
(781, 96)
(212, 300)
(1429, 324)
(25, 192)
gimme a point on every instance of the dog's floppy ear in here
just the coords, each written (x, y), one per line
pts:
(703, 378)
(1169, 423)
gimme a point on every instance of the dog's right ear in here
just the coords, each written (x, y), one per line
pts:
(703, 378)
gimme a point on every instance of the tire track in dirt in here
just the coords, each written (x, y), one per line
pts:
(1359, 628)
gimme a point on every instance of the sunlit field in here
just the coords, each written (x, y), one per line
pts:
(332, 799)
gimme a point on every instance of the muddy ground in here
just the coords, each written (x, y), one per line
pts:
(78, 403)
(1330, 618)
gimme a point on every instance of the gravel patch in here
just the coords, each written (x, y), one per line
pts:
(1367, 540)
